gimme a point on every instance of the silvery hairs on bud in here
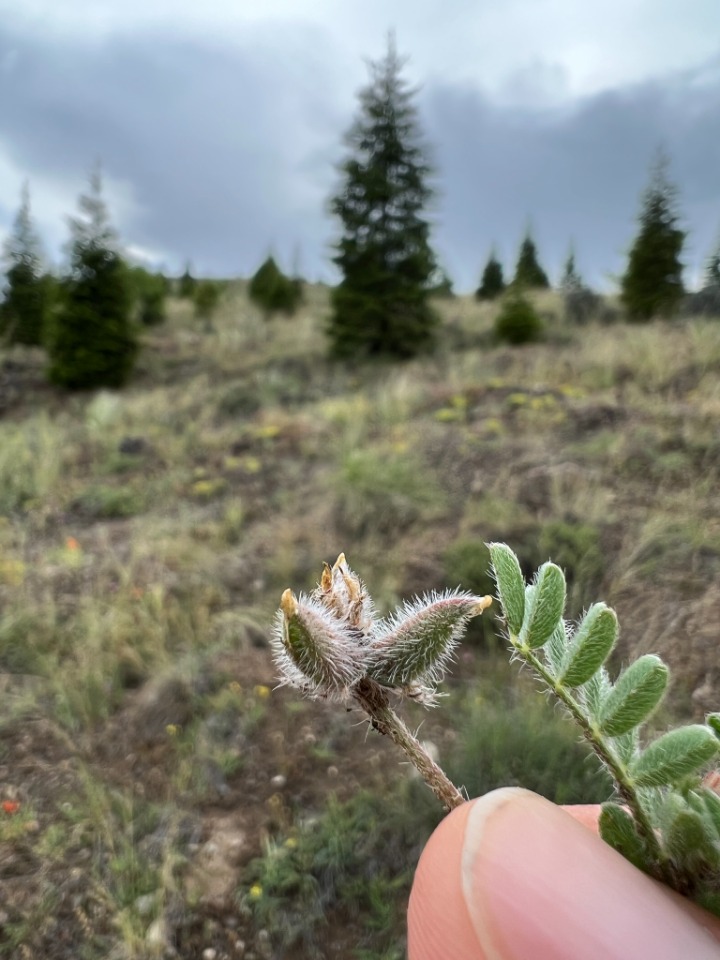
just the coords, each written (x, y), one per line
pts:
(315, 649)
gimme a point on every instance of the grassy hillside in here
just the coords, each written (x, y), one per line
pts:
(158, 795)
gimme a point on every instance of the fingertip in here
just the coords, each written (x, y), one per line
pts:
(439, 926)
(511, 875)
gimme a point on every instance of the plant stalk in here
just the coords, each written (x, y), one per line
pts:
(374, 701)
(617, 770)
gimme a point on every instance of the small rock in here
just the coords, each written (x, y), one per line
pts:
(278, 781)
(209, 953)
(332, 771)
(145, 904)
(157, 933)
(133, 446)
(240, 948)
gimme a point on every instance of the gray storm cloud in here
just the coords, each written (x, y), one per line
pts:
(231, 150)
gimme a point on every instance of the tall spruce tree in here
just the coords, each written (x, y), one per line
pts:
(93, 341)
(492, 282)
(381, 306)
(528, 272)
(652, 284)
(24, 310)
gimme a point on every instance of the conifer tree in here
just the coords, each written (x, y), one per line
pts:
(206, 299)
(528, 272)
(381, 306)
(92, 340)
(580, 302)
(492, 283)
(24, 310)
(652, 284)
(571, 279)
(712, 269)
(441, 284)
(187, 283)
(149, 291)
(274, 292)
(518, 322)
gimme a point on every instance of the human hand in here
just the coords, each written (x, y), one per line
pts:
(510, 876)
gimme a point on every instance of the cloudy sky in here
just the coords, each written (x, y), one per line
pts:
(219, 122)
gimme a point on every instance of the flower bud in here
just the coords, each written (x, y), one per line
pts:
(412, 648)
(344, 593)
(314, 648)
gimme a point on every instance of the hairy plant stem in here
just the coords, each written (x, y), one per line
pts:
(617, 769)
(374, 701)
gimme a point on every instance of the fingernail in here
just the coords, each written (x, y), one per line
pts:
(537, 884)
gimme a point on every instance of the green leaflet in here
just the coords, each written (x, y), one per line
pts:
(711, 802)
(544, 612)
(590, 646)
(636, 693)
(689, 841)
(713, 721)
(617, 828)
(673, 756)
(510, 584)
(555, 650)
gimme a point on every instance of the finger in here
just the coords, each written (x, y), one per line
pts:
(587, 814)
(512, 876)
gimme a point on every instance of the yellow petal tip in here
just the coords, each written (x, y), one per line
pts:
(288, 604)
(482, 604)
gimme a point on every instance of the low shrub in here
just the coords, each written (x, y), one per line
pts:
(581, 305)
(354, 861)
(206, 298)
(518, 322)
(273, 292)
(513, 739)
(103, 502)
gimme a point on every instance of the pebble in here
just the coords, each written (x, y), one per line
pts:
(157, 934)
(278, 781)
(263, 944)
(209, 953)
(145, 904)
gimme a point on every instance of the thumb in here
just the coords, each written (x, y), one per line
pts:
(511, 876)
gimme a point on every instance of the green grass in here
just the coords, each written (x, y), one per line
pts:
(352, 865)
